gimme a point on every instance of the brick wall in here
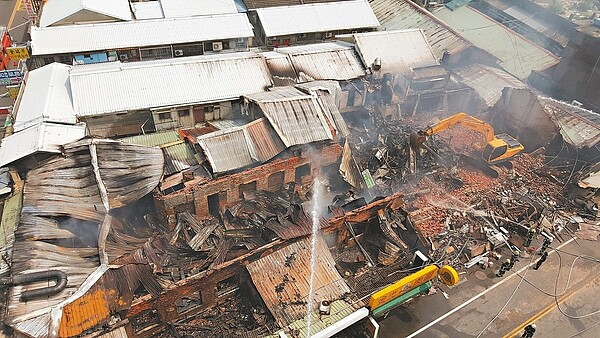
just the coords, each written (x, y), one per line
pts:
(227, 187)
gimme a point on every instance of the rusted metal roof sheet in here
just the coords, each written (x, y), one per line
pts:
(325, 61)
(297, 120)
(415, 51)
(578, 126)
(517, 55)
(90, 175)
(487, 81)
(319, 17)
(253, 4)
(281, 68)
(191, 134)
(177, 154)
(266, 141)
(282, 279)
(403, 14)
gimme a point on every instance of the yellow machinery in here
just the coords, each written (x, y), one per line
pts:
(446, 274)
(494, 149)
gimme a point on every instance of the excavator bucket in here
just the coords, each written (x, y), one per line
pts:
(416, 139)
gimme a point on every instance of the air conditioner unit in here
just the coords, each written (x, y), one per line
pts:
(328, 35)
(217, 46)
(178, 52)
(123, 57)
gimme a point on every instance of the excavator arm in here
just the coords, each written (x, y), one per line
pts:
(467, 121)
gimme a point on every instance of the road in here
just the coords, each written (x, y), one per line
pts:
(483, 296)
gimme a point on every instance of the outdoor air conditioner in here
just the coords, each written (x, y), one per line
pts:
(217, 46)
(178, 52)
(328, 35)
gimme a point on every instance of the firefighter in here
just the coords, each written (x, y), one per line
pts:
(540, 261)
(513, 259)
(529, 331)
(546, 244)
(530, 236)
(503, 268)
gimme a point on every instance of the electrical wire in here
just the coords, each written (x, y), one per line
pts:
(508, 301)
(556, 298)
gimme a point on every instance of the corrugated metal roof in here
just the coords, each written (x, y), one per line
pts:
(414, 50)
(266, 141)
(403, 14)
(114, 86)
(142, 33)
(487, 81)
(57, 10)
(281, 68)
(330, 94)
(429, 72)
(46, 97)
(592, 178)
(325, 61)
(147, 10)
(183, 8)
(287, 300)
(321, 17)
(296, 119)
(578, 126)
(42, 137)
(228, 149)
(253, 4)
(278, 93)
(517, 55)
(178, 155)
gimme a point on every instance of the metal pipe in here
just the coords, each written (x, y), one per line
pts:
(59, 276)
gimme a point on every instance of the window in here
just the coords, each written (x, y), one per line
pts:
(247, 187)
(208, 46)
(209, 109)
(156, 53)
(183, 113)
(302, 171)
(188, 302)
(498, 152)
(164, 116)
(48, 60)
(225, 44)
(87, 55)
(227, 286)
(275, 181)
(65, 59)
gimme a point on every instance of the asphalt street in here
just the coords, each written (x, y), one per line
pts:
(487, 306)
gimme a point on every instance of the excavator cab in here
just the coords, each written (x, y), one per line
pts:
(502, 148)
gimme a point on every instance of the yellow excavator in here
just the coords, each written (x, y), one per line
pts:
(495, 148)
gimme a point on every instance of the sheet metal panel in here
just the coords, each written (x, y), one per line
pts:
(228, 149)
(320, 17)
(287, 300)
(297, 121)
(115, 87)
(46, 97)
(56, 10)
(147, 10)
(325, 61)
(154, 139)
(253, 4)
(487, 81)
(266, 141)
(42, 137)
(517, 55)
(403, 14)
(183, 8)
(281, 68)
(412, 50)
(578, 126)
(329, 93)
(138, 33)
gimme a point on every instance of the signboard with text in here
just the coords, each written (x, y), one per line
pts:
(10, 77)
(17, 53)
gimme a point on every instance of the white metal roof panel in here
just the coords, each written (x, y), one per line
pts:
(56, 10)
(115, 86)
(183, 8)
(410, 48)
(325, 61)
(147, 10)
(321, 17)
(281, 68)
(404, 14)
(517, 55)
(42, 137)
(113, 35)
(297, 121)
(46, 96)
(228, 149)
